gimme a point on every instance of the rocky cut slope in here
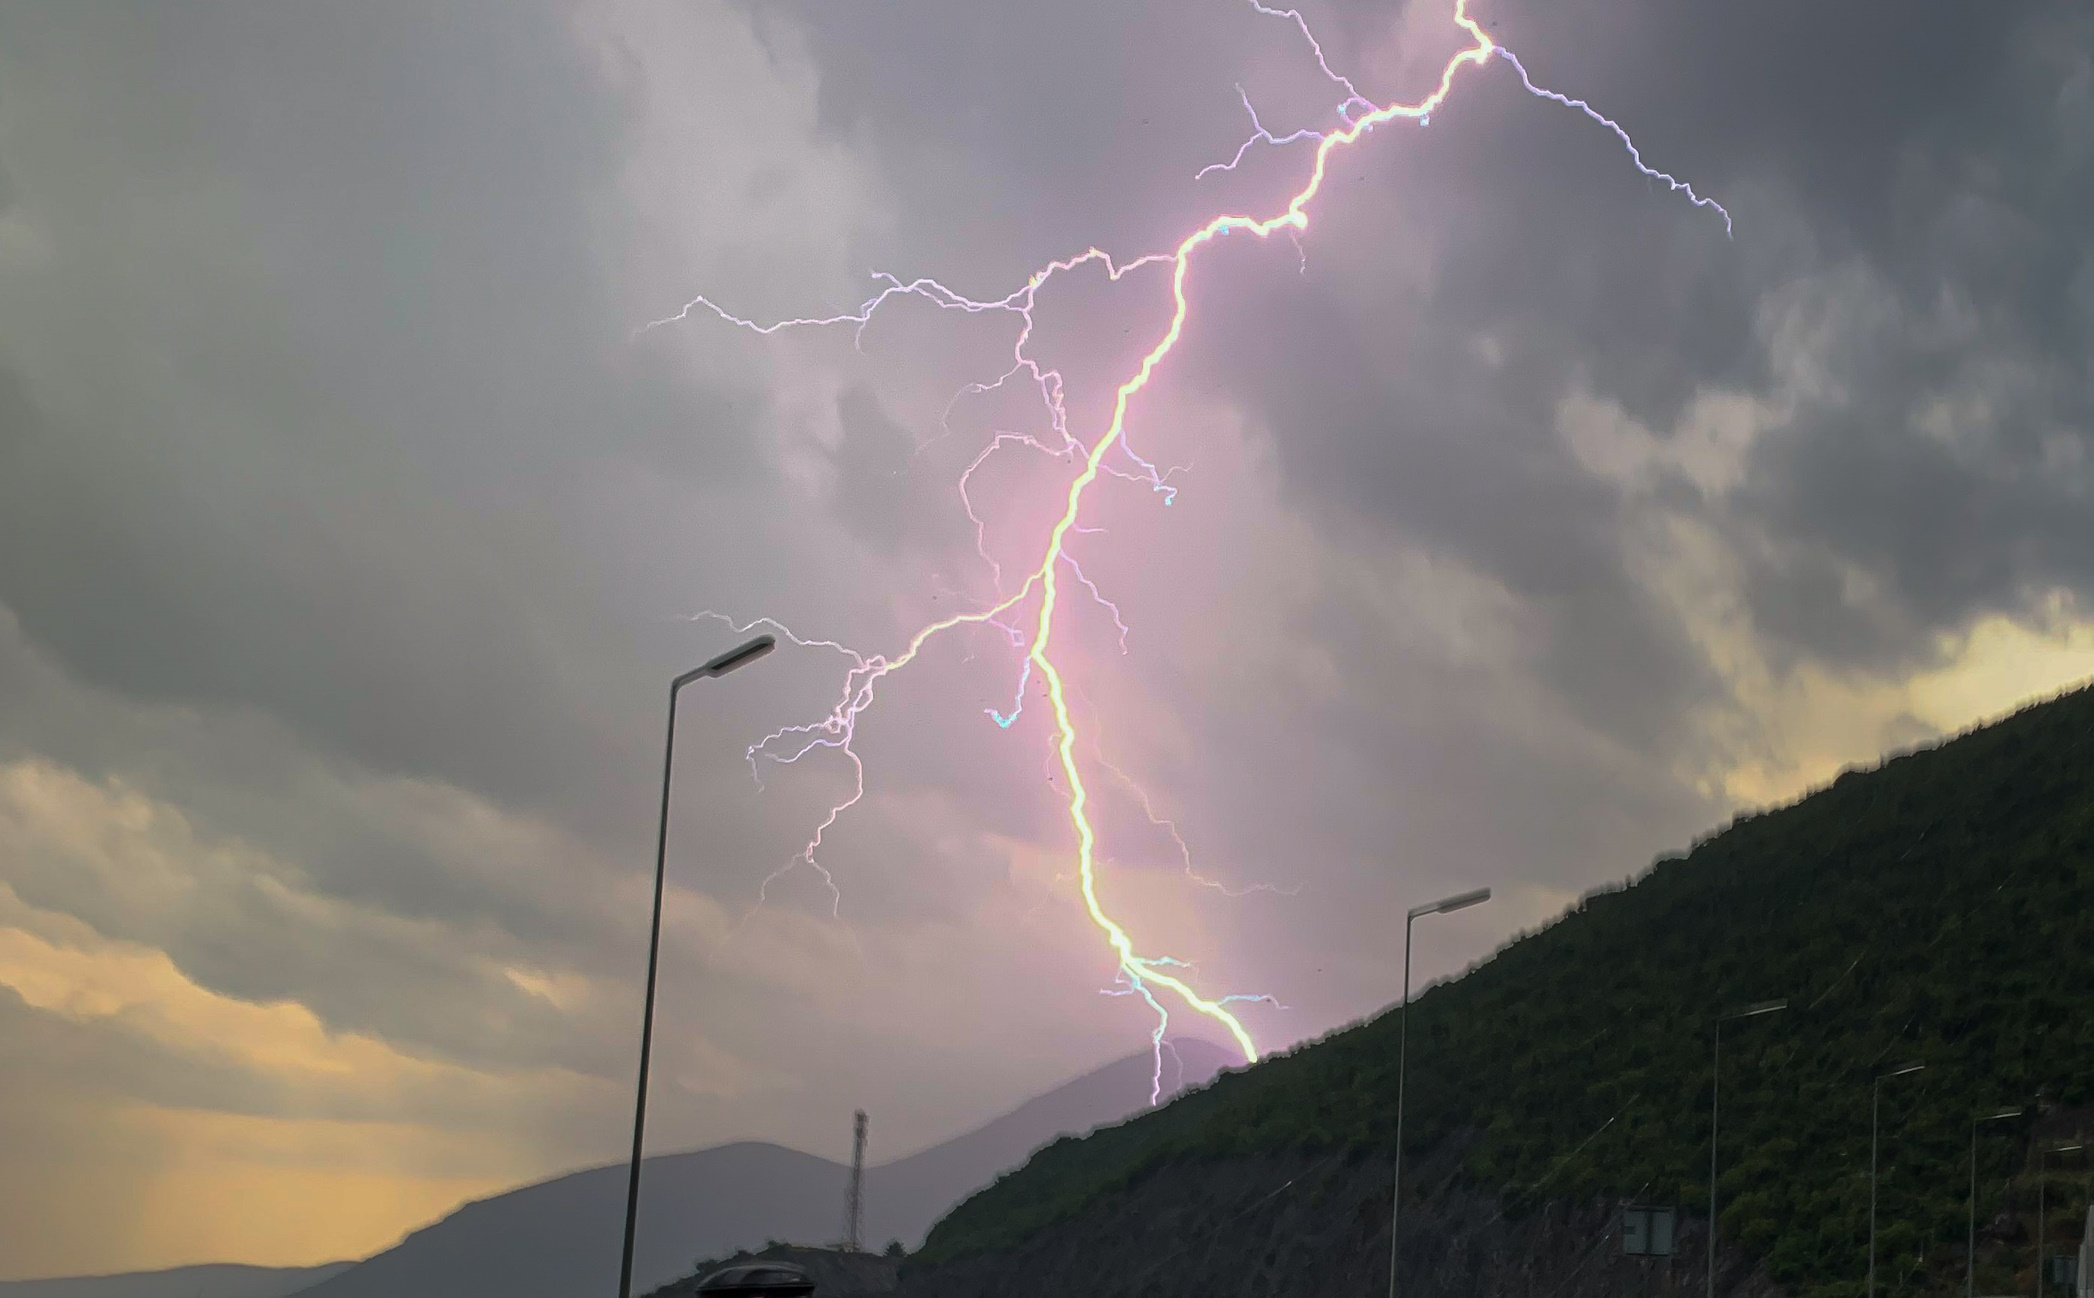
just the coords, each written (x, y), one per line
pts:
(1938, 909)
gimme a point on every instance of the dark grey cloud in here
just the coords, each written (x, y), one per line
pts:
(400, 383)
(1932, 152)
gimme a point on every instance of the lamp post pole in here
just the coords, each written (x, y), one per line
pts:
(1715, 1081)
(1444, 906)
(1875, 1112)
(2042, 1177)
(720, 666)
(1970, 1248)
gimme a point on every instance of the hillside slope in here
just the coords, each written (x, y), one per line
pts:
(560, 1238)
(1937, 909)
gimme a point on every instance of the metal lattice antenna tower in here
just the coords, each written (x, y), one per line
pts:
(854, 1204)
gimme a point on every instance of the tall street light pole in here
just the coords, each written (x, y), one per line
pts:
(2042, 1177)
(1444, 906)
(1715, 1080)
(1970, 1248)
(739, 656)
(1875, 1112)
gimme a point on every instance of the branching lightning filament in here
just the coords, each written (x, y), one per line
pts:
(1027, 615)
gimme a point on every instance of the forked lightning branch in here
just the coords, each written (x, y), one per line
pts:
(1028, 615)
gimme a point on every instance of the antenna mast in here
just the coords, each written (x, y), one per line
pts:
(854, 1205)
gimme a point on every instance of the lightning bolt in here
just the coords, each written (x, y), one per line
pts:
(1136, 974)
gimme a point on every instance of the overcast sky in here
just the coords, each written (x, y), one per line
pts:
(1526, 526)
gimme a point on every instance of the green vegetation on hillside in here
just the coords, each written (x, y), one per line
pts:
(1938, 909)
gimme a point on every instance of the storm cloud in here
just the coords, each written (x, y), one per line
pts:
(353, 519)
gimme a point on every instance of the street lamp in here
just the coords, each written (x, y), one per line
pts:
(1970, 1255)
(739, 656)
(1715, 1078)
(2042, 1174)
(1875, 1111)
(1444, 906)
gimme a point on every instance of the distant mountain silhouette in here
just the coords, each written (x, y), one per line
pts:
(216, 1281)
(560, 1238)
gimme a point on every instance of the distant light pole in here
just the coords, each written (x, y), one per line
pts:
(1970, 1253)
(1444, 906)
(2042, 1175)
(1715, 1079)
(738, 656)
(1875, 1112)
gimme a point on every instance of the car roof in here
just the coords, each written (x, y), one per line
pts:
(753, 1278)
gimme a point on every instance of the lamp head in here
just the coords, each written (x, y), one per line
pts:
(1448, 905)
(739, 656)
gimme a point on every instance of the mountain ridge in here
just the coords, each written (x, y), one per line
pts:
(561, 1236)
(210, 1279)
(507, 1255)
